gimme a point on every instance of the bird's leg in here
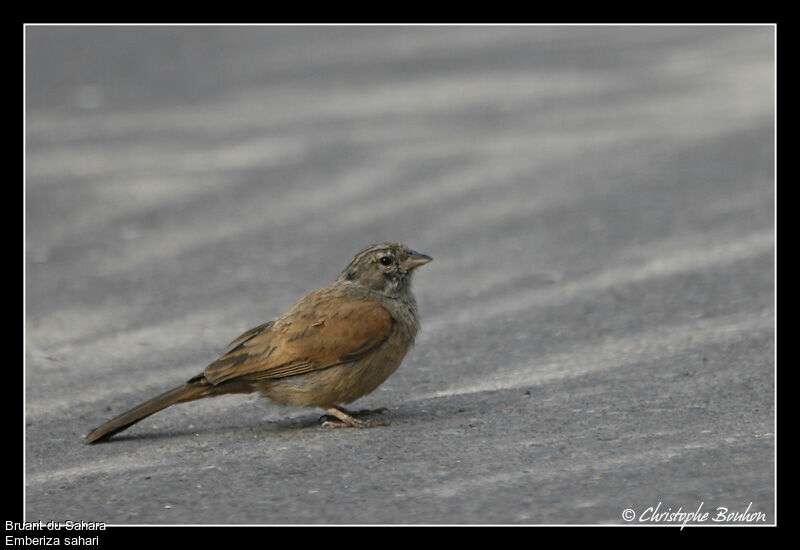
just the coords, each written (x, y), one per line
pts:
(346, 419)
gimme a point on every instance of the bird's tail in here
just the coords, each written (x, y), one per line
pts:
(190, 391)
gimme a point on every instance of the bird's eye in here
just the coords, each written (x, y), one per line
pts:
(386, 260)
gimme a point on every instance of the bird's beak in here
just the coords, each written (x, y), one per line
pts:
(417, 259)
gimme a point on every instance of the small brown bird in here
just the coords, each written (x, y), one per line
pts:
(330, 348)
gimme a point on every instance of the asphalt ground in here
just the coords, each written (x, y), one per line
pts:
(598, 326)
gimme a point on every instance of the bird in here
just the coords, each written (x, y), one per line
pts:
(332, 347)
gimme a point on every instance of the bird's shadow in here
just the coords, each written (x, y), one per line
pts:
(281, 426)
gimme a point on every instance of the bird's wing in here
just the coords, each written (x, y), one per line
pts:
(250, 334)
(324, 329)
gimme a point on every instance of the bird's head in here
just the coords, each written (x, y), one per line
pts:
(384, 267)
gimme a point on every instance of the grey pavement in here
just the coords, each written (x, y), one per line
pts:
(598, 326)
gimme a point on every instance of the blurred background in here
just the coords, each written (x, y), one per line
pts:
(598, 324)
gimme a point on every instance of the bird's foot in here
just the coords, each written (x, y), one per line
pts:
(341, 418)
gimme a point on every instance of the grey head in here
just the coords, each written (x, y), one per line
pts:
(384, 268)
